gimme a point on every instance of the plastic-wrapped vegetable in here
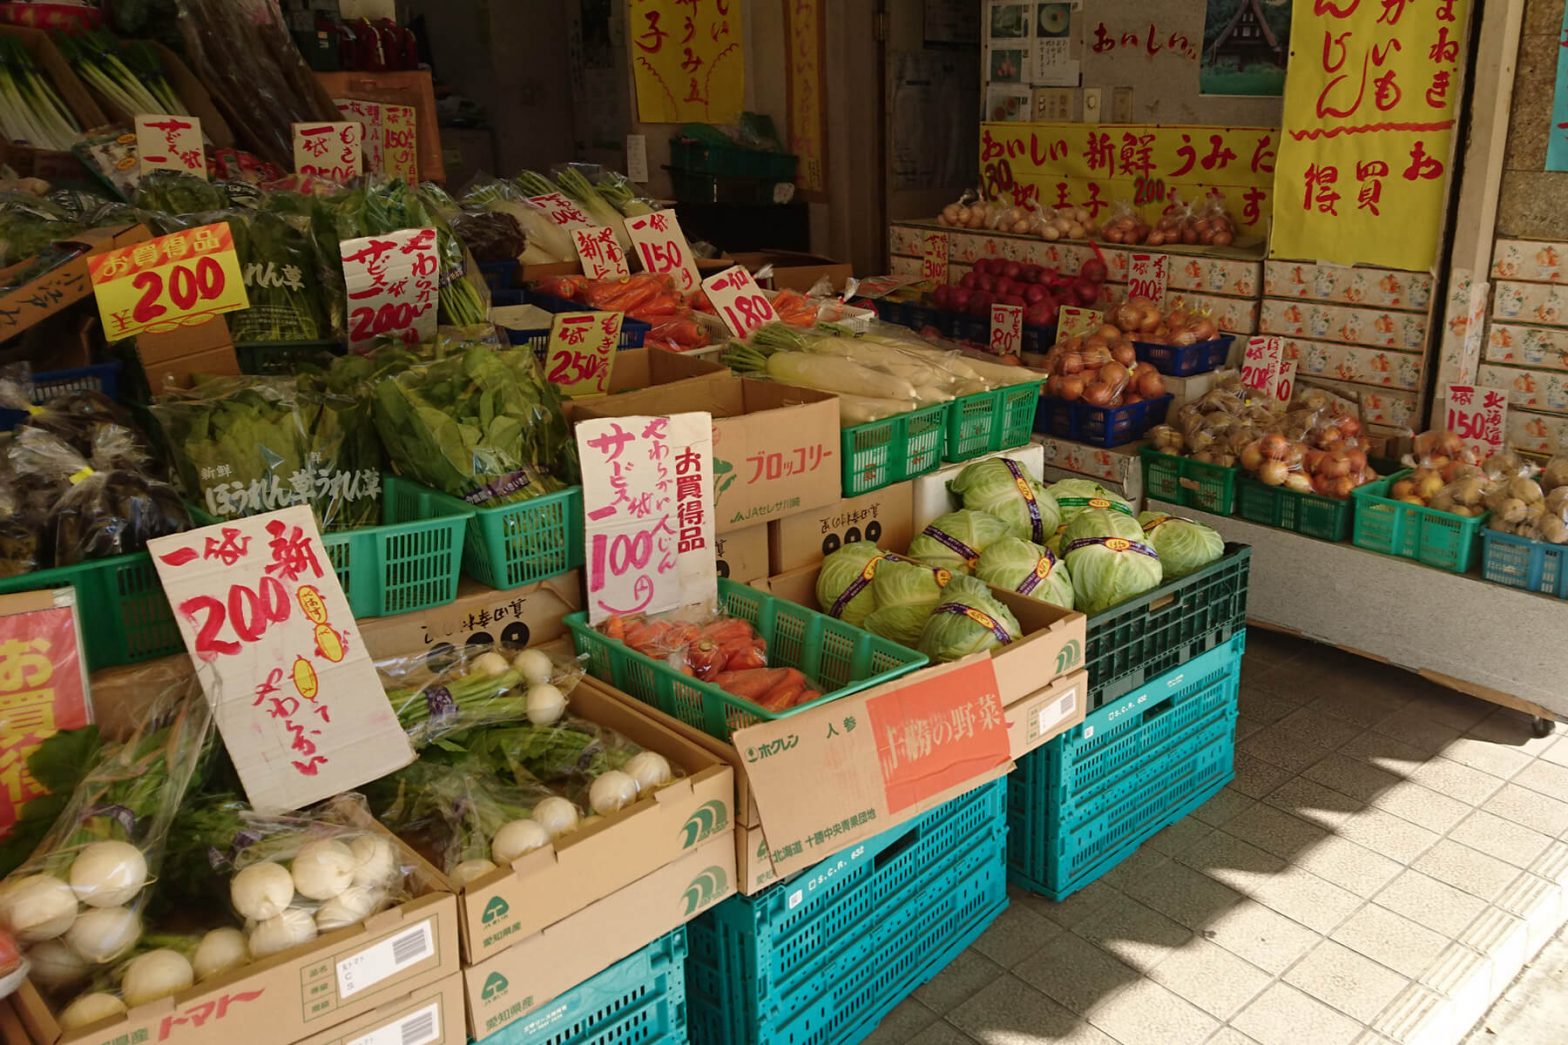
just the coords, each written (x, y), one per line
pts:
(279, 260)
(490, 235)
(75, 417)
(546, 241)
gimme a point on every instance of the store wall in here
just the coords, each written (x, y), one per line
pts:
(1534, 200)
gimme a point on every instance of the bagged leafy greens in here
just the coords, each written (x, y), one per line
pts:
(278, 257)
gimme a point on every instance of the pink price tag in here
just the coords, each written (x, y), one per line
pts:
(1147, 275)
(561, 210)
(1479, 416)
(661, 247)
(933, 257)
(1007, 330)
(738, 301)
(600, 254)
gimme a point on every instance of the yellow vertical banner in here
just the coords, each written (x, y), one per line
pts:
(807, 137)
(688, 60)
(1371, 98)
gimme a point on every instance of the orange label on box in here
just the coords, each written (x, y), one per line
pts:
(582, 351)
(171, 281)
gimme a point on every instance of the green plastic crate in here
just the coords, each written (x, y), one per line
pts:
(990, 421)
(509, 545)
(838, 658)
(881, 453)
(1188, 482)
(1413, 531)
(124, 614)
(1310, 514)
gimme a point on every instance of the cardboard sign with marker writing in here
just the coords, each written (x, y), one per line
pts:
(661, 247)
(1479, 416)
(400, 143)
(181, 279)
(170, 143)
(329, 150)
(1007, 330)
(1073, 321)
(279, 656)
(561, 210)
(1147, 275)
(582, 351)
(933, 257)
(391, 284)
(1262, 363)
(601, 256)
(738, 301)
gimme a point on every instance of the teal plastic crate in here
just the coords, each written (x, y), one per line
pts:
(892, 450)
(1413, 531)
(839, 658)
(640, 1000)
(1326, 518)
(509, 545)
(823, 956)
(1520, 562)
(1188, 482)
(1084, 801)
(1145, 637)
(990, 421)
(124, 614)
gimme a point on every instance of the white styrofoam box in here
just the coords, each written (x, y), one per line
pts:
(932, 499)
(1186, 389)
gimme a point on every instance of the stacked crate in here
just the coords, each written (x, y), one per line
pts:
(1526, 347)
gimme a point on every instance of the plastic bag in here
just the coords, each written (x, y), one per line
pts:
(280, 261)
(1125, 225)
(967, 212)
(545, 241)
(474, 687)
(76, 416)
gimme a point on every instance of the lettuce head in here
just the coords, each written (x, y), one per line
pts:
(1107, 571)
(1002, 488)
(1102, 522)
(1184, 546)
(956, 540)
(969, 619)
(1076, 495)
(1027, 569)
(844, 582)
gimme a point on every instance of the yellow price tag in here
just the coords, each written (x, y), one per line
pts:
(177, 280)
(1072, 321)
(582, 352)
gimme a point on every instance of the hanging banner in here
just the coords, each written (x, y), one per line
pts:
(1370, 106)
(1557, 133)
(1143, 165)
(803, 32)
(688, 61)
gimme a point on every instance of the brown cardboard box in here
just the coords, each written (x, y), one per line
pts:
(432, 1015)
(775, 448)
(506, 906)
(62, 286)
(517, 617)
(743, 554)
(883, 517)
(171, 359)
(641, 368)
(795, 271)
(525, 977)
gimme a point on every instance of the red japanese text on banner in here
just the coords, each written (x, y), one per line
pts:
(661, 247)
(392, 286)
(1368, 143)
(648, 513)
(1148, 275)
(561, 210)
(368, 115)
(1479, 416)
(181, 279)
(601, 256)
(43, 686)
(1007, 330)
(933, 257)
(582, 351)
(329, 150)
(280, 658)
(170, 143)
(738, 300)
(688, 60)
(1072, 321)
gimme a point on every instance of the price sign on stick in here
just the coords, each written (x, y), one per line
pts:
(738, 300)
(582, 351)
(1147, 275)
(392, 286)
(561, 210)
(600, 254)
(1479, 416)
(399, 143)
(329, 150)
(280, 658)
(1261, 363)
(648, 513)
(176, 280)
(933, 257)
(661, 247)
(1007, 330)
(1072, 321)
(170, 143)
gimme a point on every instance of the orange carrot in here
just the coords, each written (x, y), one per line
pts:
(751, 683)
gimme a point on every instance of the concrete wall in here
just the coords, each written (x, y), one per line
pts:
(1534, 201)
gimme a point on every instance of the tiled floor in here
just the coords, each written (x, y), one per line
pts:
(1388, 857)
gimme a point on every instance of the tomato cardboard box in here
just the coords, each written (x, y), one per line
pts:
(510, 904)
(882, 517)
(431, 1015)
(28, 299)
(775, 447)
(535, 970)
(517, 617)
(742, 555)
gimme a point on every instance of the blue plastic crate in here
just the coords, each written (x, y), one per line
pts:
(1087, 799)
(1039, 339)
(826, 954)
(100, 377)
(1520, 562)
(1185, 360)
(1103, 426)
(633, 331)
(640, 999)
(499, 275)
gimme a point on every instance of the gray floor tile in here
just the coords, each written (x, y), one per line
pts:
(907, 1020)
(1017, 933)
(1075, 973)
(1432, 903)
(963, 978)
(1148, 1014)
(1390, 939)
(1285, 1016)
(1010, 1012)
(1350, 982)
(1210, 977)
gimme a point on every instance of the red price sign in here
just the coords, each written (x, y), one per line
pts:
(662, 247)
(600, 254)
(171, 281)
(582, 351)
(738, 300)
(1007, 330)
(933, 257)
(561, 210)
(1147, 275)
(1479, 416)
(392, 286)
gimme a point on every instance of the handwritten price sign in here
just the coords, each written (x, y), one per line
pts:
(648, 510)
(329, 150)
(561, 211)
(662, 247)
(933, 257)
(170, 143)
(175, 280)
(399, 143)
(582, 351)
(1072, 321)
(391, 283)
(1261, 363)
(738, 300)
(1147, 275)
(1478, 416)
(600, 254)
(279, 656)
(1007, 329)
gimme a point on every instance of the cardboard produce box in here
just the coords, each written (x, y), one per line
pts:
(431, 1015)
(636, 369)
(882, 517)
(32, 299)
(775, 448)
(518, 617)
(1119, 466)
(532, 972)
(742, 555)
(795, 271)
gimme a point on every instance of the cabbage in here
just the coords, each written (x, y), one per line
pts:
(1054, 543)
(1110, 570)
(1027, 569)
(956, 540)
(1184, 546)
(1074, 495)
(1102, 522)
(968, 619)
(905, 592)
(1002, 488)
(844, 582)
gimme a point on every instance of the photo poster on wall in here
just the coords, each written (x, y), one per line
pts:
(1246, 45)
(1028, 45)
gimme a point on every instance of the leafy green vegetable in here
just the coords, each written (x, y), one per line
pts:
(906, 591)
(1074, 495)
(955, 541)
(844, 582)
(1102, 522)
(1108, 571)
(1184, 546)
(57, 765)
(1002, 488)
(1027, 569)
(968, 620)
(278, 258)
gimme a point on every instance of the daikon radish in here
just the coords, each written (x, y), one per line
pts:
(835, 374)
(858, 410)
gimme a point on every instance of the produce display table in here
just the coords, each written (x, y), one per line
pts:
(1402, 613)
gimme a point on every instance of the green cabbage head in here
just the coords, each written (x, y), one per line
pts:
(1184, 546)
(844, 582)
(1102, 522)
(969, 619)
(1028, 569)
(1075, 495)
(956, 540)
(1107, 571)
(1001, 487)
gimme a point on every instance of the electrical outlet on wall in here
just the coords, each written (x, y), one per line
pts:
(1093, 97)
(1121, 105)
